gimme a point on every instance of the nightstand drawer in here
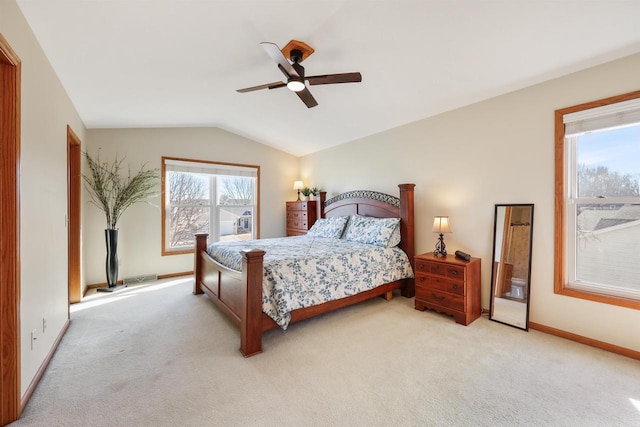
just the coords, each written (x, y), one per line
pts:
(450, 271)
(439, 284)
(443, 299)
(423, 266)
(453, 272)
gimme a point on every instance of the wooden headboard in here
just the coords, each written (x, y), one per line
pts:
(375, 204)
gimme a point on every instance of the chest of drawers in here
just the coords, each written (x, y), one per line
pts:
(448, 285)
(300, 217)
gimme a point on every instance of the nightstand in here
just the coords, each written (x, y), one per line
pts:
(301, 216)
(449, 285)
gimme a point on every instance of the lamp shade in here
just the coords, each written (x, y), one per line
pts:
(298, 185)
(441, 224)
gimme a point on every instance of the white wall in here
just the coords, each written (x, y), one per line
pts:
(139, 238)
(465, 161)
(45, 113)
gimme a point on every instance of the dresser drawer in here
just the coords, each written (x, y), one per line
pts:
(297, 223)
(297, 206)
(440, 284)
(295, 232)
(443, 299)
(297, 215)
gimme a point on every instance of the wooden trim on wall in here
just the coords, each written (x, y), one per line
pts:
(74, 191)
(587, 341)
(10, 72)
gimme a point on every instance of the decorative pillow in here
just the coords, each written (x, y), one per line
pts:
(328, 227)
(373, 231)
(395, 238)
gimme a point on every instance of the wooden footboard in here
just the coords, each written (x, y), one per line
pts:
(239, 294)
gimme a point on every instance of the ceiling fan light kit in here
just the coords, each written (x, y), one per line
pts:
(296, 85)
(297, 51)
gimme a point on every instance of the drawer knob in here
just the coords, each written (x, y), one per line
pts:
(454, 287)
(437, 297)
(454, 272)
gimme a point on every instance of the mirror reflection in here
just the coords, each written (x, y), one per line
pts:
(510, 276)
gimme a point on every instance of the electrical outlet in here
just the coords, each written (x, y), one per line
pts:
(33, 338)
(44, 324)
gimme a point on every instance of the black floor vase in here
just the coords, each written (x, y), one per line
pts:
(111, 238)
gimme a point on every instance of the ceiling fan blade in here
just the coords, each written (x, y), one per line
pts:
(335, 78)
(284, 65)
(307, 98)
(273, 85)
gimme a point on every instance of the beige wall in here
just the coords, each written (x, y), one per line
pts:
(139, 239)
(45, 113)
(462, 163)
(465, 161)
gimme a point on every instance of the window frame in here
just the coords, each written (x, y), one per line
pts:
(213, 205)
(561, 209)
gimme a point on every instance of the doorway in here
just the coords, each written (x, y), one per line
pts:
(74, 156)
(10, 406)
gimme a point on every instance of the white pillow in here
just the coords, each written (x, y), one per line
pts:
(373, 231)
(328, 227)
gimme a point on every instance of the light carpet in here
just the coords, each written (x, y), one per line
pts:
(156, 355)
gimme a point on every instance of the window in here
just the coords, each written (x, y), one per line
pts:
(206, 197)
(598, 201)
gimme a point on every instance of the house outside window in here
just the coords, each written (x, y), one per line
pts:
(207, 197)
(598, 201)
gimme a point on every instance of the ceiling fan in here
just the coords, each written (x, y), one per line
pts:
(294, 72)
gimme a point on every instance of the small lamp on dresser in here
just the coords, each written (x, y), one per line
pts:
(440, 226)
(298, 185)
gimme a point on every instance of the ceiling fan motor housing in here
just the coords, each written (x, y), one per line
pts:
(295, 55)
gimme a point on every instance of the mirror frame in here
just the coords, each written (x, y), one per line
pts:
(493, 266)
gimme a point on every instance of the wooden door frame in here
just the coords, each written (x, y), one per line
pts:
(10, 72)
(74, 156)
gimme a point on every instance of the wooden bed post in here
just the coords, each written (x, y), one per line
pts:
(322, 197)
(407, 231)
(251, 314)
(201, 246)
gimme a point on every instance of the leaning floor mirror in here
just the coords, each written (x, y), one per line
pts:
(511, 273)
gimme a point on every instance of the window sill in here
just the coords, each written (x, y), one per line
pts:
(592, 296)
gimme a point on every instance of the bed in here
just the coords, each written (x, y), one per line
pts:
(238, 291)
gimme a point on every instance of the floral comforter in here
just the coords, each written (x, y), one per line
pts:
(303, 271)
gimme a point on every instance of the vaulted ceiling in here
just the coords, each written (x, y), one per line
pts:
(168, 63)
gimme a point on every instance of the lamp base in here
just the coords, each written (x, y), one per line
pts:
(441, 249)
